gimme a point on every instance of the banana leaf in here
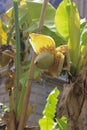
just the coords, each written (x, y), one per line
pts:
(68, 24)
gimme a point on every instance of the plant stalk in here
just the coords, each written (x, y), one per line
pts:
(41, 22)
(31, 73)
(15, 3)
(14, 101)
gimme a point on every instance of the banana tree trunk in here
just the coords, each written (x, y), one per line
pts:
(76, 108)
(74, 101)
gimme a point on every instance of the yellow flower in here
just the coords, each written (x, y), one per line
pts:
(22, 2)
(3, 35)
(49, 58)
(42, 43)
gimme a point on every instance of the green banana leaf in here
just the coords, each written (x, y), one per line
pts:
(68, 24)
(61, 19)
(74, 34)
(46, 123)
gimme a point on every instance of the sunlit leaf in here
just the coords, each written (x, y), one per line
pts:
(47, 123)
(22, 2)
(61, 19)
(68, 24)
(74, 34)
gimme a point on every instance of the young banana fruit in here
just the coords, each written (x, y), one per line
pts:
(53, 64)
(44, 60)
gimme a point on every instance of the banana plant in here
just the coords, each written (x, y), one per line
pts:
(74, 29)
(70, 22)
(52, 58)
(69, 25)
(14, 22)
